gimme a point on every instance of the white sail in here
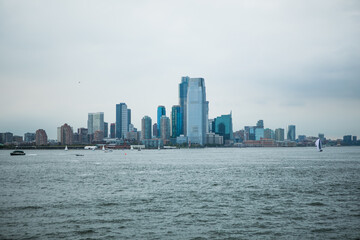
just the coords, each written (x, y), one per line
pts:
(103, 148)
(66, 148)
(318, 145)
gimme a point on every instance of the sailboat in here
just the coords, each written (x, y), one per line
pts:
(103, 148)
(66, 148)
(318, 145)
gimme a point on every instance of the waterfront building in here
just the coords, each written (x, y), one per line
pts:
(354, 139)
(197, 111)
(322, 137)
(112, 130)
(175, 121)
(347, 140)
(83, 135)
(106, 129)
(291, 134)
(249, 133)
(122, 119)
(302, 138)
(214, 139)
(66, 135)
(223, 126)
(165, 128)
(98, 136)
(269, 133)
(260, 124)
(155, 130)
(279, 134)
(211, 125)
(29, 137)
(6, 137)
(17, 139)
(41, 137)
(183, 91)
(95, 122)
(146, 126)
(161, 111)
(259, 133)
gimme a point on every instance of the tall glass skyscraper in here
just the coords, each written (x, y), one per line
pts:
(183, 90)
(122, 124)
(291, 135)
(175, 121)
(196, 111)
(161, 111)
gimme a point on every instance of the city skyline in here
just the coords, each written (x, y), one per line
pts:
(261, 60)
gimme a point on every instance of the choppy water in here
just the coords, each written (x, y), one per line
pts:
(271, 193)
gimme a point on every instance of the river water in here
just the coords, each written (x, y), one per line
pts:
(251, 193)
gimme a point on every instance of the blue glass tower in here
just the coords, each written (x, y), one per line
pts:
(223, 126)
(175, 121)
(161, 111)
(122, 125)
(183, 90)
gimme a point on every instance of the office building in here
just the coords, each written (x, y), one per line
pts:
(41, 137)
(269, 133)
(291, 136)
(223, 126)
(279, 134)
(6, 137)
(161, 111)
(146, 126)
(95, 122)
(196, 112)
(112, 130)
(106, 130)
(175, 121)
(83, 137)
(155, 130)
(183, 90)
(122, 120)
(259, 133)
(129, 119)
(165, 128)
(29, 137)
(260, 124)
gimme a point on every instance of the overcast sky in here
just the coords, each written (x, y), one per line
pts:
(286, 62)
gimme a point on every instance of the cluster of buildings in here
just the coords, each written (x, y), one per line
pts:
(187, 124)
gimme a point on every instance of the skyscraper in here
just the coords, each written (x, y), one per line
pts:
(106, 129)
(279, 134)
(66, 134)
(122, 119)
(129, 118)
(146, 128)
(260, 124)
(197, 111)
(112, 130)
(161, 111)
(175, 121)
(223, 126)
(165, 128)
(155, 130)
(95, 122)
(291, 133)
(183, 90)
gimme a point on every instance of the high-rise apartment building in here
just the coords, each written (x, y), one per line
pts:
(41, 137)
(129, 119)
(29, 137)
(183, 90)
(175, 121)
(95, 122)
(223, 126)
(122, 120)
(197, 111)
(279, 134)
(83, 135)
(269, 133)
(106, 129)
(155, 130)
(146, 126)
(165, 128)
(291, 136)
(66, 134)
(161, 111)
(260, 124)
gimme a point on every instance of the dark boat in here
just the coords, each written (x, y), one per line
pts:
(17, 153)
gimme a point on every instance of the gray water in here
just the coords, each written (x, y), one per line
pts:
(253, 193)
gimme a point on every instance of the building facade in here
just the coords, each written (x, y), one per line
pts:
(29, 137)
(66, 134)
(161, 111)
(291, 134)
(122, 124)
(112, 130)
(279, 134)
(165, 128)
(223, 126)
(146, 126)
(41, 137)
(196, 112)
(176, 120)
(95, 122)
(183, 90)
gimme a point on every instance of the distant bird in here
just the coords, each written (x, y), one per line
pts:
(79, 81)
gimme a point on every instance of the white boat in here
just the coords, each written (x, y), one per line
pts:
(66, 148)
(318, 145)
(103, 148)
(90, 147)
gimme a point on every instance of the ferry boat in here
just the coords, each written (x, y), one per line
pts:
(17, 153)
